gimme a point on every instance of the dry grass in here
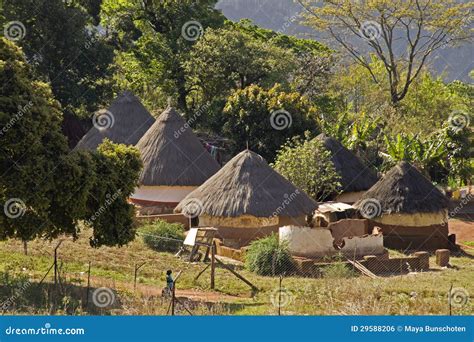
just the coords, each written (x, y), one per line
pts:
(413, 294)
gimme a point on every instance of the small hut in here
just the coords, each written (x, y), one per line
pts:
(247, 199)
(125, 122)
(356, 178)
(174, 164)
(410, 210)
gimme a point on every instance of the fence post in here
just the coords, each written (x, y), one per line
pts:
(213, 265)
(136, 267)
(88, 284)
(279, 296)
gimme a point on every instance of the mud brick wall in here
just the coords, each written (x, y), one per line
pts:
(348, 228)
(392, 265)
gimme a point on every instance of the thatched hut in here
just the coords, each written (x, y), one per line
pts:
(247, 199)
(174, 164)
(410, 210)
(124, 122)
(355, 177)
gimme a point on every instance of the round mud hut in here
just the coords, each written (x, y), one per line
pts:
(411, 211)
(355, 177)
(246, 200)
(174, 164)
(124, 122)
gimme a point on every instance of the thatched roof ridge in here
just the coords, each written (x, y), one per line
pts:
(130, 122)
(355, 176)
(405, 190)
(173, 155)
(247, 185)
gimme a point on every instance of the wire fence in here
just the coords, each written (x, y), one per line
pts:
(264, 275)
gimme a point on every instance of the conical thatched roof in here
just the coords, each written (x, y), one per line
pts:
(247, 185)
(125, 122)
(173, 155)
(355, 176)
(405, 190)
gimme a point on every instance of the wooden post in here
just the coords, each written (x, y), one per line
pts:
(137, 267)
(450, 299)
(88, 284)
(213, 265)
(279, 296)
(173, 295)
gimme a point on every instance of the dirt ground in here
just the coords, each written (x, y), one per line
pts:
(464, 230)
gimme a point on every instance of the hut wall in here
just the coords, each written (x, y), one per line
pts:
(349, 197)
(239, 231)
(417, 231)
(414, 220)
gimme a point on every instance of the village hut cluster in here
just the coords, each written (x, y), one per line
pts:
(247, 199)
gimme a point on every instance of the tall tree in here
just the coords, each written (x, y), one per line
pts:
(155, 37)
(66, 50)
(402, 34)
(44, 190)
(265, 119)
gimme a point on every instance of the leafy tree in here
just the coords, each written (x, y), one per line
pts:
(225, 59)
(420, 27)
(307, 164)
(265, 119)
(424, 110)
(154, 39)
(44, 190)
(67, 51)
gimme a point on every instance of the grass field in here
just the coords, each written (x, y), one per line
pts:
(412, 294)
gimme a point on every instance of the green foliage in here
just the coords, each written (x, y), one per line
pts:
(307, 164)
(162, 236)
(225, 59)
(152, 48)
(65, 49)
(110, 214)
(251, 115)
(268, 257)
(54, 189)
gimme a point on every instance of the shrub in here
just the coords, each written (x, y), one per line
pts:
(269, 257)
(163, 236)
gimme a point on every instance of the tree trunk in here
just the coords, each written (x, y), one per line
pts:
(25, 247)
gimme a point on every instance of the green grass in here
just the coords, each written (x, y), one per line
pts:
(414, 294)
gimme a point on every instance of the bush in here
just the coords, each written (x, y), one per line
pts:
(163, 236)
(269, 257)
